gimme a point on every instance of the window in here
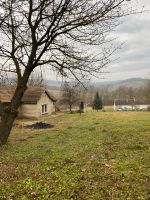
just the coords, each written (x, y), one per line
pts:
(44, 108)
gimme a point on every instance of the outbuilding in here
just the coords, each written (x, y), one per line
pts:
(36, 102)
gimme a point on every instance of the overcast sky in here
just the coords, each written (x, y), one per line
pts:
(134, 56)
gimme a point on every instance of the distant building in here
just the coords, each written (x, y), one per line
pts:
(36, 102)
(129, 104)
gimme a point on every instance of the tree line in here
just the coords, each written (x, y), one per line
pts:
(72, 94)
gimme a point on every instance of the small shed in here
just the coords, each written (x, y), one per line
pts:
(36, 102)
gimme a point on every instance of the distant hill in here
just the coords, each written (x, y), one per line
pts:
(54, 86)
(53, 83)
(132, 82)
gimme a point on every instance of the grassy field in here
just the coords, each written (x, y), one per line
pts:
(95, 156)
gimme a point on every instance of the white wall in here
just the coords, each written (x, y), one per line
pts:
(45, 100)
(28, 110)
(35, 110)
(130, 107)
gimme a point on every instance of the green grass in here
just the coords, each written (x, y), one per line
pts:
(95, 156)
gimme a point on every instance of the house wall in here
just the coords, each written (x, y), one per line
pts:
(35, 110)
(142, 107)
(50, 105)
(28, 110)
(124, 107)
(131, 107)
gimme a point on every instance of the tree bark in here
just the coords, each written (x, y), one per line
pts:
(11, 112)
(7, 123)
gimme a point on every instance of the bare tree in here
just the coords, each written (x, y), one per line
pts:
(147, 91)
(36, 79)
(139, 92)
(70, 94)
(56, 34)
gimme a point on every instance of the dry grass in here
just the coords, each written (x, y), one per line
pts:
(101, 155)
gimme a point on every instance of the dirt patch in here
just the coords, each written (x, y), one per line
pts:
(33, 159)
(39, 125)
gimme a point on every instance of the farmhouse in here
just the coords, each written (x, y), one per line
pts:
(130, 104)
(36, 102)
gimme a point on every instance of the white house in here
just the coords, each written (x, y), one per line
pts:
(36, 102)
(129, 104)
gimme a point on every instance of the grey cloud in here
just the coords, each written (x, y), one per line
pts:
(134, 56)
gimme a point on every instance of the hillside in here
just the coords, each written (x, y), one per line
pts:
(132, 82)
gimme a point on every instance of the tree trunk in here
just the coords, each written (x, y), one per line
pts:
(10, 113)
(70, 108)
(7, 123)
